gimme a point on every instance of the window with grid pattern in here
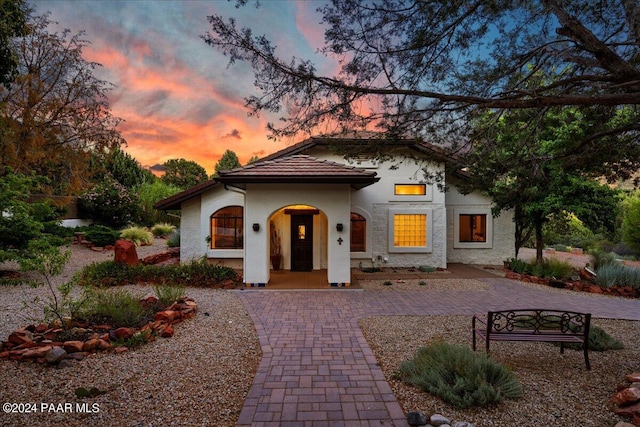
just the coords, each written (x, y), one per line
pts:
(226, 228)
(410, 230)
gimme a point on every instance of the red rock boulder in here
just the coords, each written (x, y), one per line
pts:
(125, 253)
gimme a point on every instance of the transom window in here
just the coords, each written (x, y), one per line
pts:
(358, 233)
(226, 228)
(410, 189)
(473, 228)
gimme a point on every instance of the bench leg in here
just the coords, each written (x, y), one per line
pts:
(561, 348)
(586, 357)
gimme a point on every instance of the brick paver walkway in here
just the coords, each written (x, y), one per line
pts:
(318, 370)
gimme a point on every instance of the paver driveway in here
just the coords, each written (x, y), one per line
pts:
(318, 370)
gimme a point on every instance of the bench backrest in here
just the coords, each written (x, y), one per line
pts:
(539, 321)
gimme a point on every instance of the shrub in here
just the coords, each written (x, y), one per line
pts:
(116, 307)
(100, 235)
(173, 241)
(387, 283)
(459, 376)
(109, 203)
(599, 340)
(196, 273)
(168, 294)
(549, 268)
(138, 235)
(618, 275)
(163, 229)
(600, 258)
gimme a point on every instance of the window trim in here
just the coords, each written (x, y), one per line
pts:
(457, 244)
(428, 248)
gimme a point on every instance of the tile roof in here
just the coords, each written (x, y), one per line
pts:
(298, 168)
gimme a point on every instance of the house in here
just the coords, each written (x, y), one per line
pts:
(307, 208)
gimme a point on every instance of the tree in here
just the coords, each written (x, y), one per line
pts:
(127, 170)
(542, 168)
(56, 112)
(228, 161)
(416, 68)
(13, 23)
(183, 173)
(631, 222)
(253, 159)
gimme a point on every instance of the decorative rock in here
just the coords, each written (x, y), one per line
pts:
(439, 420)
(125, 253)
(20, 336)
(623, 424)
(165, 316)
(120, 349)
(91, 345)
(462, 424)
(72, 346)
(123, 333)
(167, 332)
(628, 411)
(55, 355)
(103, 345)
(626, 397)
(66, 363)
(416, 418)
(635, 377)
(75, 356)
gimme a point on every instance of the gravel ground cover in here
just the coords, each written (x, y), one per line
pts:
(199, 377)
(558, 390)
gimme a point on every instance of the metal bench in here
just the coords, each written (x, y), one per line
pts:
(553, 326)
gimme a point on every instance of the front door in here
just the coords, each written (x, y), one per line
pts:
(301, 242)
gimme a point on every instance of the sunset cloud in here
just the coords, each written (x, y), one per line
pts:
(177, 96)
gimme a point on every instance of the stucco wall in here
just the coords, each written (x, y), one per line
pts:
(503, 231)
(190, 231)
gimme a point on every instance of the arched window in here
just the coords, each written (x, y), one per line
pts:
(226, 228)
(358, 233)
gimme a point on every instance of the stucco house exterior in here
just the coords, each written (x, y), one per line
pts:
(307, 208)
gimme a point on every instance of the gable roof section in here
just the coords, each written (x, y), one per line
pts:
(174, 202)
(298, 168)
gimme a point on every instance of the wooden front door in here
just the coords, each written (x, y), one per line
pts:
(301, 242)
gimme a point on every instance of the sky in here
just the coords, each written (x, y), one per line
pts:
(177, 96)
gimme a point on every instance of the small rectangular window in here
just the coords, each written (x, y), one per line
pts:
(410, 189)
(473, 228)
(302, 232)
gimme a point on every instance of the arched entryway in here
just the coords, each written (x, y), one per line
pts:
(298, 239)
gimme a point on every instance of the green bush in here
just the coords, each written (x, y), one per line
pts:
(599, 340)
(138, 235)
(600, 258)
(173, 241)
(196, 273)
(549, 268)
(116, 307)
(618, 275)
(163, 229)
(168, 294)
(460, 376)
(101, 235)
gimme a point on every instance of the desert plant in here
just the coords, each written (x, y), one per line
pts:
(599, 340)
(618, 275)
(168, 294)
(116, 307)
(101, 235)
(600, 258)
(387, 283)
(173, 241)
(556, 268)
(459, 376)
(138, 339)
(138, 235)
(162, 229)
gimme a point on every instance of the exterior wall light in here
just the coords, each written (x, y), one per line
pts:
(256, 227)
(339, 226)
